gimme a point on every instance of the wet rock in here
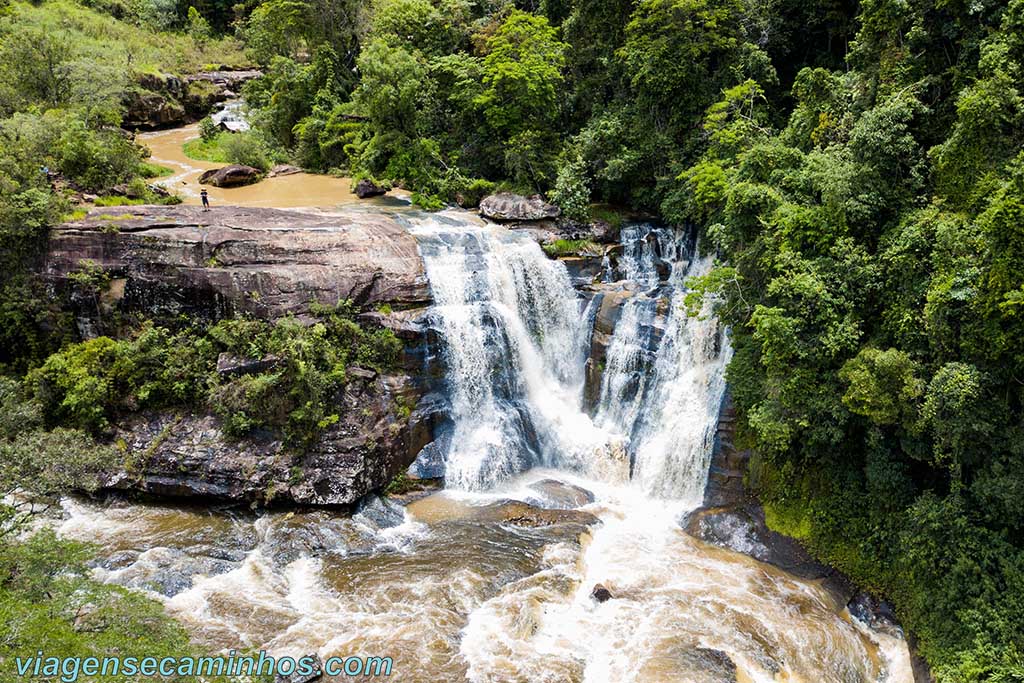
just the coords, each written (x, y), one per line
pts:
(234, 175)
(609, 310)
(560, 495)
(379, 513)
(367, 188)
(600, 593)
(283, 170)
(876, 614)
(318, 672)
(728, 464)
(743, 529)
(268, 263)
(506, 206)
(517, 513)
(687, 662)
(170, 571)
(430, 462)
(230, 365)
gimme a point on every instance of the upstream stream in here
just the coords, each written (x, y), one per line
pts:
(451, 593)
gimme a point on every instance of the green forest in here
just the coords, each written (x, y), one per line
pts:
(856, 167)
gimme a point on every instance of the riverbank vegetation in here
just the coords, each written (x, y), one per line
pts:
(857, 166)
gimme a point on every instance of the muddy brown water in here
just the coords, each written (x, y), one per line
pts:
(299, 190)
(451, 598)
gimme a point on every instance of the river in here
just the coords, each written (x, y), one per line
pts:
(452, 594)
(298, 190)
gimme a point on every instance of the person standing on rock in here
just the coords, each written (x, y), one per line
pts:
(206, 199)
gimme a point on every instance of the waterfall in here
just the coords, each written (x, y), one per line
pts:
(515, 334)
(514, 348)
(665, 373)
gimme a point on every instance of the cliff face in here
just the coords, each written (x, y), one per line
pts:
(168, 260)
(163, 262)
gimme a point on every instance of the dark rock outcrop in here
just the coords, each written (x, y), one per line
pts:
(296, 677)
(728, 463)
(164, 100)
(234, 175)
(367, 188)
(609, 308)
(172, 260)
(190, 456)
(506, 206)
(150, 110)
(229, 365)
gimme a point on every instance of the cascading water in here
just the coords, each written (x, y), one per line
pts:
(514, 348)
(664, 376)
(450, 593)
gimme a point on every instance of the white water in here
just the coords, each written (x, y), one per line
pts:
(453, 598)
(514, 348)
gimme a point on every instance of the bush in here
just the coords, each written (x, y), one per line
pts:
(89, 384)
(571, 192)
(247, 149)
(208, 130)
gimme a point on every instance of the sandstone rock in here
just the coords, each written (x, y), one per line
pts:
(517, 513)
(559, 495)
(267, 263)
(364, 374)
(231, 176)
(601, 594)
(367, 188)
(506, 206)
(284, 169)
(229, 79)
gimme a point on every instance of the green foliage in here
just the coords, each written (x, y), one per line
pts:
(90, 384)
(873, 309)
(208, 131)
(560, 248)
(571, 192)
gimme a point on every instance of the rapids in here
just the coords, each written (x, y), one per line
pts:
(452, 595)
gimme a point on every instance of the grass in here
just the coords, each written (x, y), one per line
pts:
(148, 170)
(608, 214)
(207, 150)
(560, 248)
(117, 200)
(123, 46)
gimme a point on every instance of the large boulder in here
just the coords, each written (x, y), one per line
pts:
(269, 263)
(367, 188)
(506, 206)
(234, 175)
